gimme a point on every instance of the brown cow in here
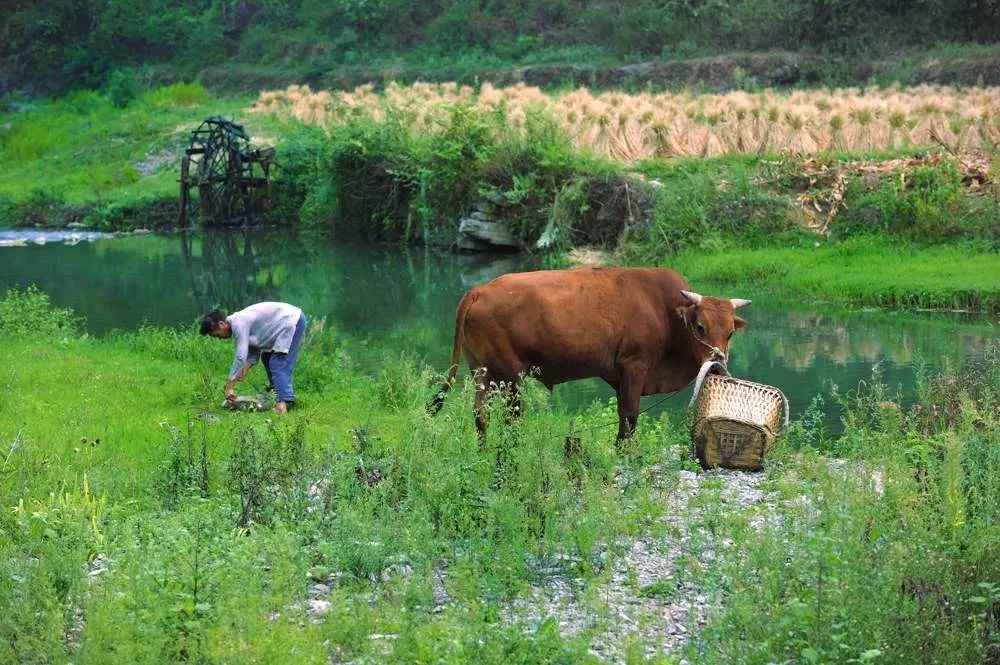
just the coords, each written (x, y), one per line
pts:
(640, 329)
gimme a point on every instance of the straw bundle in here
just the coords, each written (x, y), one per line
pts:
(632, 127)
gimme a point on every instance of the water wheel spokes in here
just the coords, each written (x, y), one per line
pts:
(220, 165)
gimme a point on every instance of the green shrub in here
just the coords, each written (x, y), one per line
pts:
(371, 179)
(177, 95)
(929, 206)
(47, 542)
(718, 204)
(84, 102)
(130, 212)
(530, 169)
(302, 170)
(415, 185)
(184, 471)
(123, 87)
(264, 471)
(30, 313)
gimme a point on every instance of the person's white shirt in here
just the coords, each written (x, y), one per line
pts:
(260, 328)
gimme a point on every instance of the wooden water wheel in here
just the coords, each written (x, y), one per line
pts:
(230, 175)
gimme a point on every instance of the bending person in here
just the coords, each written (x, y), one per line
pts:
(271, 331)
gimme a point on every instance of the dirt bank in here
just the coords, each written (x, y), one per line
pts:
(724, 72)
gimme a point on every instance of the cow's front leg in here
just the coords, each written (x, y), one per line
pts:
(629, 394)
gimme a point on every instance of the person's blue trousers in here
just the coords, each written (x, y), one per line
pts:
(280, 365)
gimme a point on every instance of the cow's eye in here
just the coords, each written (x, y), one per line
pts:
(701, 329)
(731, 334)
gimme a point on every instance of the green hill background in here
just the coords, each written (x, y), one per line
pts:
(65, 44)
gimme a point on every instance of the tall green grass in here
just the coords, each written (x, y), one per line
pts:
(885, 555)
(142, 523)
(214, 525)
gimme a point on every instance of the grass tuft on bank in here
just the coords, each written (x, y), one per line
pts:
(86, 159)
(864, 271)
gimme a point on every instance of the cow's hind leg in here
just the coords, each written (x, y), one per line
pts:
(487, 383)
(508, 391)
(482, 380)
(502, 371)
(629, 394)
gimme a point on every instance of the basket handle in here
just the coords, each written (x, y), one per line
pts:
(784, 400)
(713, 366)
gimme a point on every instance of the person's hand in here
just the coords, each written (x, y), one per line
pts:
(230, 395)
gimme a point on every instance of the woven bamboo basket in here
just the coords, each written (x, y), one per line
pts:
(736, 422)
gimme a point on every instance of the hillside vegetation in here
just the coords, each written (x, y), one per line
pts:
(252, 43)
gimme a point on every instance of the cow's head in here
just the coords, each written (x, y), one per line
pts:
(711, 322)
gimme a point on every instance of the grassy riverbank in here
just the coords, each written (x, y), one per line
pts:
(142, 523)
(909, 226)
(862, 272)
(84, 159)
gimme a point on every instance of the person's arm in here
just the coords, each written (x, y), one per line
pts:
(230, 385)
(243, 360)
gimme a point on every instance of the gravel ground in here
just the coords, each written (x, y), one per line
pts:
(647, 599)
(96, 568)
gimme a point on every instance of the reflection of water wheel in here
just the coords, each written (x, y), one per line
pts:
(231, 176)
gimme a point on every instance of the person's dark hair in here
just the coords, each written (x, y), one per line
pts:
(211, 319)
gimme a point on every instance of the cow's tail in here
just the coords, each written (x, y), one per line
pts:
(456, 353)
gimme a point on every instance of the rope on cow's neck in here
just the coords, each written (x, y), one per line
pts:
(714, 349)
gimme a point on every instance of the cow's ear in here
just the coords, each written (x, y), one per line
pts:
(738, 322)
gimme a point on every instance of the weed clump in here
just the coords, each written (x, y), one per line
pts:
(927, 205)
(265, 471)
(887, 551)
(184, 470)
(30, 313)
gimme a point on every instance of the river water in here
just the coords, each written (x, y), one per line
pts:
(381, 301)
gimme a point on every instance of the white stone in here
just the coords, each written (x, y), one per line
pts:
(495, 233)
(318, 607)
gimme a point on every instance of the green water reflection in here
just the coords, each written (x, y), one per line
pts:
(383, 300)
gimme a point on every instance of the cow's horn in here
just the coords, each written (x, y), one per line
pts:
(692, 296)
(739, 302)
